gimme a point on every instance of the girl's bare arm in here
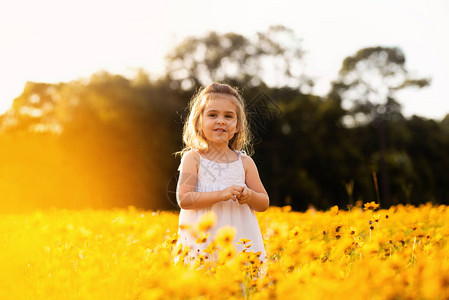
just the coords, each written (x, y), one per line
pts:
(258, 197)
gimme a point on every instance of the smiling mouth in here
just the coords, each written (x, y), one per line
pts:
(220, 130)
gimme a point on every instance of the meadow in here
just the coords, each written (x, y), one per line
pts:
(360, 252)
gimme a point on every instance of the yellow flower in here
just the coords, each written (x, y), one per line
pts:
(334, 210)
(244, 241)
(203, 238)
(207, 221)
(211, 248)
(314, 250)
(173, 240)
(371, 206)
(286, 208)
(353, 231)
(185, 226)
(178, 249)
(248, 245)
(226, 254)
(225, 236)
(370, 248)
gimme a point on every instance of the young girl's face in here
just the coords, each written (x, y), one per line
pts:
(220, 119)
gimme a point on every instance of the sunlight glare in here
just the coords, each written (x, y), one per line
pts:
(59, 42)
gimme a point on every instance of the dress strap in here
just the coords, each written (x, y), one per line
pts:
(197, 152)
(241, 153)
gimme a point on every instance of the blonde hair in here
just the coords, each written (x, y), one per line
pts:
(193, 136)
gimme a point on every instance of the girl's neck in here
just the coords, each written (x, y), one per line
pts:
(219, 154)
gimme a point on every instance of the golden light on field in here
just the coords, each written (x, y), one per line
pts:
(83, 144)
(399, 253)
(67, 173)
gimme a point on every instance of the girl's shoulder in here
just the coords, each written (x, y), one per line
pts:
(189, 158)
(246, 158)
(192, 153)
(247, 161)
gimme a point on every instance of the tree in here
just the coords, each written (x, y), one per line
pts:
(233, 57)
(369, 80)
(367, 85)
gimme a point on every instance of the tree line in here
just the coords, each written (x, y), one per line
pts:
(109, 141)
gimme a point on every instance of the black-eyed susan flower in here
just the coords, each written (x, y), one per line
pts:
(211, 248)
(371, 206)
(178, 249)
(243, 241)
(352, 231)
(294, 232)
(207, 221)
(203, 238)
(173, 240)
(226, 254)
(371, 226)
(338, 227)
(225, 236)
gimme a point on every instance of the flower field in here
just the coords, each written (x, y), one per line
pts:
(362, 253)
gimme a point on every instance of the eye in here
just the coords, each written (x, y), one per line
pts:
(229, 116)
(212, 115)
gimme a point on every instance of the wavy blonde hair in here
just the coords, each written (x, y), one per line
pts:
(193, 136)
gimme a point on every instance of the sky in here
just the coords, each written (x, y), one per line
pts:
(58, 41)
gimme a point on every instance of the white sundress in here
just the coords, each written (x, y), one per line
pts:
(213, 176)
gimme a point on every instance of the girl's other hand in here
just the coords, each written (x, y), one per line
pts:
(245, 195)
(231, 192)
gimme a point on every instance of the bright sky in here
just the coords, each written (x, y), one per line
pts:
(53, 40)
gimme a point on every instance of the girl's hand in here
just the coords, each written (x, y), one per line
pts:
(245, 195)
(231, 192)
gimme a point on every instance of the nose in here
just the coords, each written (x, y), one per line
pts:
(221, 120)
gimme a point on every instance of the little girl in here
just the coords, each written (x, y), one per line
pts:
(215, 173)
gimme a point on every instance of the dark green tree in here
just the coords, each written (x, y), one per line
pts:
(367, 85)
